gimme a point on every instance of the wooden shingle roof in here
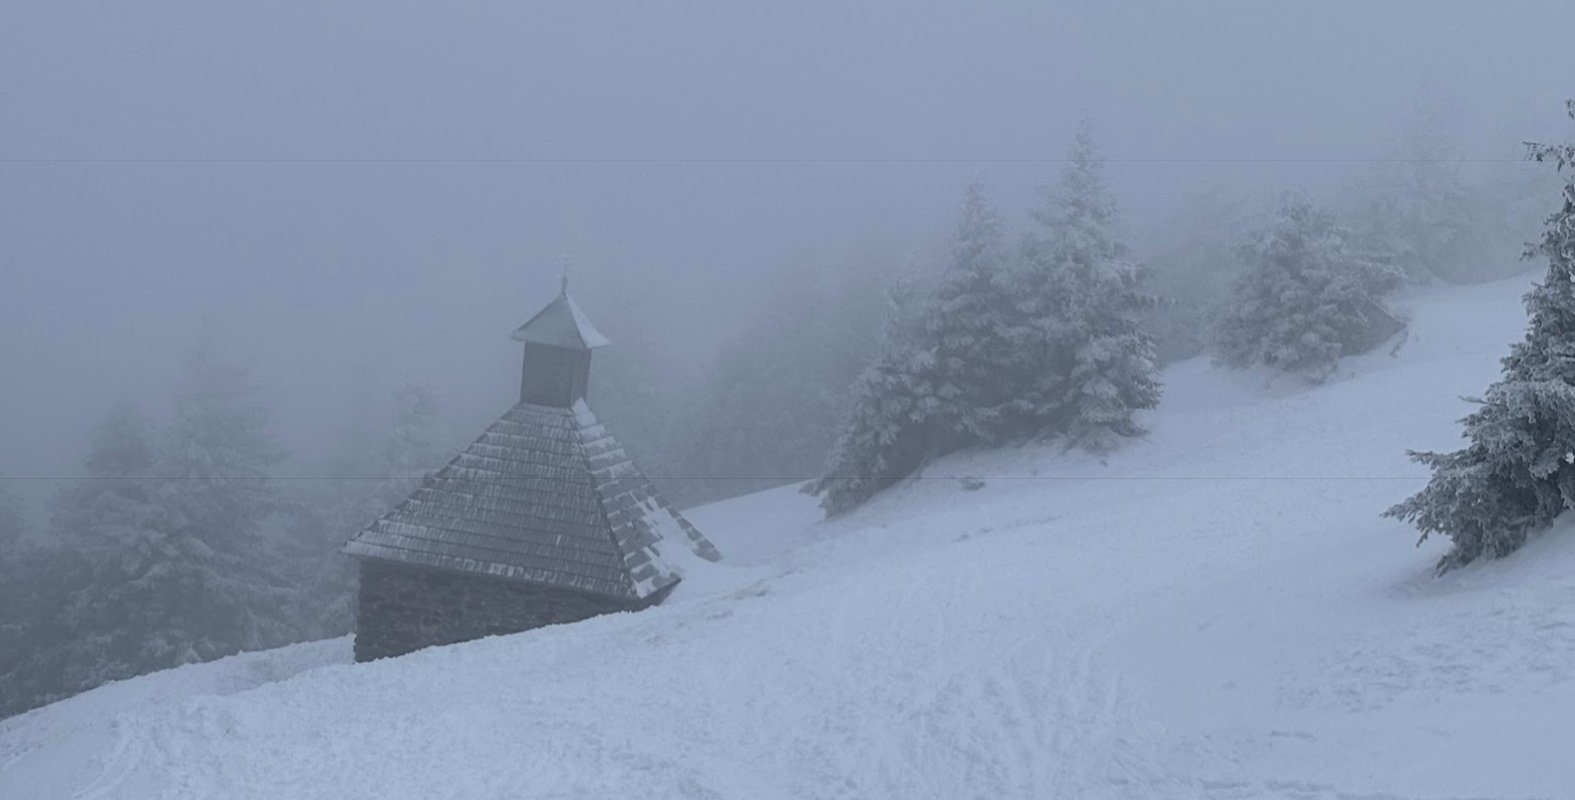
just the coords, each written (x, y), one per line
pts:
(545, 496)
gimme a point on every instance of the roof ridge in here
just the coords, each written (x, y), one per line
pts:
(581, 411)
(635, 510)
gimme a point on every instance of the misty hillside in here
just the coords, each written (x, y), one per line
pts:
(1220, 613)
(1138, 400)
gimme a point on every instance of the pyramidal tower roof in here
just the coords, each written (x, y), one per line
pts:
(544, 496)
(561, 324)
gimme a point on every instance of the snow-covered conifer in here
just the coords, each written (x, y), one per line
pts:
(1308, 299)
(219, 588)
(942, 377)
(890, 428)
(1518, 471)
(967, 325)
(32, 666)
(1087, 362)
(109, 525)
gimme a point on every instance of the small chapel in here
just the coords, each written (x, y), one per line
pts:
(542, 520)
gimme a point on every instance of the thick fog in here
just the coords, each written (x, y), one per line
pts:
(358, 193)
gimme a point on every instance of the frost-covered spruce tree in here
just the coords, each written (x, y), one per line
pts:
(941, 378)
(891, 424)
(30, 602)
(1307, 299)
(222, 590)
(967, 325)
(1087, 362)
(1517, 474)
(121, 554)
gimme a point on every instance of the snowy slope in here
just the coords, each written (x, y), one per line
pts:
(1216, 612)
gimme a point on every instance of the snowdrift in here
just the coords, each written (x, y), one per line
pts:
(1215, 612)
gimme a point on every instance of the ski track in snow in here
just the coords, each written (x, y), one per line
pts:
(1228, 619)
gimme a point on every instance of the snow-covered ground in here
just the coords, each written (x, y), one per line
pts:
(1216, 612)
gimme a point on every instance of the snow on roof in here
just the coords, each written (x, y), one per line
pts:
(561, 324)
(545, 496)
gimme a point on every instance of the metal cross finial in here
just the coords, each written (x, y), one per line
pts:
(563, 282)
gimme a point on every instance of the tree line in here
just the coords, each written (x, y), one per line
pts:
(1283, 282)
(178, 545)
(1052, 342)
(1054, 339)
